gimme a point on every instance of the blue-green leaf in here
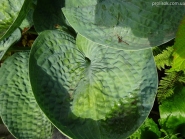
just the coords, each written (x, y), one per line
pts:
(28, 21)
(91, 91)
(6, 43)
(18, 108)
(124, 24)
(48, 15)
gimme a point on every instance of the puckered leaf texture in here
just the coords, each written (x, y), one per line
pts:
(18, 108)
(89, 91)
(125, 24)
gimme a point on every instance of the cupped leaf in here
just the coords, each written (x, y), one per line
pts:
(179, 48)
(12, 13)
(90, 91)
(128, 25)
(19, 110)
(48, 15)
(6, 43)
(172, 114)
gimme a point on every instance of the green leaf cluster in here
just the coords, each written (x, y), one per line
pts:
(171, 124)
(170, 94)
(168, 60)
(171, 81)
(149, 129)
(165, 58)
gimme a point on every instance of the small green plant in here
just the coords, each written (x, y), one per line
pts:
(89, 69)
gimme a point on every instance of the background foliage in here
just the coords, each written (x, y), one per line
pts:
(91, 69)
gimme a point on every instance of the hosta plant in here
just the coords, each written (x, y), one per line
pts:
(90, 72)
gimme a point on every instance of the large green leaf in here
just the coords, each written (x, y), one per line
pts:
(6, 43)
(89, 91)
(172, 114)
(179, 48)
(12, 13)
(48, 15)
(18, 108)
(128, 25)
